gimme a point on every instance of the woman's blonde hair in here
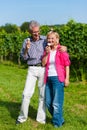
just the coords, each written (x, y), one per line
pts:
(53, 32)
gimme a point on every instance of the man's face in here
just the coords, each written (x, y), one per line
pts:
(35, 33)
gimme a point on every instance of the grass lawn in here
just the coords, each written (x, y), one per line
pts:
(12, 80)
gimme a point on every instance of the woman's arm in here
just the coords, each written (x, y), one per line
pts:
(67, 76)
(44, 59)
(45, 56)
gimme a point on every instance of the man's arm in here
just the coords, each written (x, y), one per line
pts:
(24, 50)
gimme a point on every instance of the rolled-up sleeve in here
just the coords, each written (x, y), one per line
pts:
(66, 59)
(22, 55)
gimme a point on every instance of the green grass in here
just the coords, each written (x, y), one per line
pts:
(12, 80)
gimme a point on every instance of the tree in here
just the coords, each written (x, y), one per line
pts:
(24, 26)
(9, 28)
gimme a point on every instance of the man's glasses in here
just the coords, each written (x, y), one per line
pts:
(36, 32)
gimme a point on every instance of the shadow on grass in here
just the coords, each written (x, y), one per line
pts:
(14, 110)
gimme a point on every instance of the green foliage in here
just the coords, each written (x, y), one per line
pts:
(9, 28)
(44, 29)
(10, 45)
(73, 35)
(24, 27)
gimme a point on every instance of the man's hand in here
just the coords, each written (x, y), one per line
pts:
(63, 48)
(27, 46)
(28, 43)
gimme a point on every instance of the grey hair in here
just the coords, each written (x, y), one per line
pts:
(33, 24)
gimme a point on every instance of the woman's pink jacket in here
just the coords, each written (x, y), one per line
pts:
(61, 61)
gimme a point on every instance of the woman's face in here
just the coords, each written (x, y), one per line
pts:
(52, 39)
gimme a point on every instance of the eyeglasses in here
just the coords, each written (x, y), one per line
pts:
(35, 32)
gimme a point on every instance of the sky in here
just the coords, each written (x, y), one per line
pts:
(46, 12)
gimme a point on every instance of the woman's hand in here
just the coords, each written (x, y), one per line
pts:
(66, 82)
(47, 49)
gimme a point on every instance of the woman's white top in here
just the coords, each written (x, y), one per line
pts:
(52, 69)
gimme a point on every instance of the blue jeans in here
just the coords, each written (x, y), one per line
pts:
(54, 99)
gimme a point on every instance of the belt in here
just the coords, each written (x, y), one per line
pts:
(39, 64)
